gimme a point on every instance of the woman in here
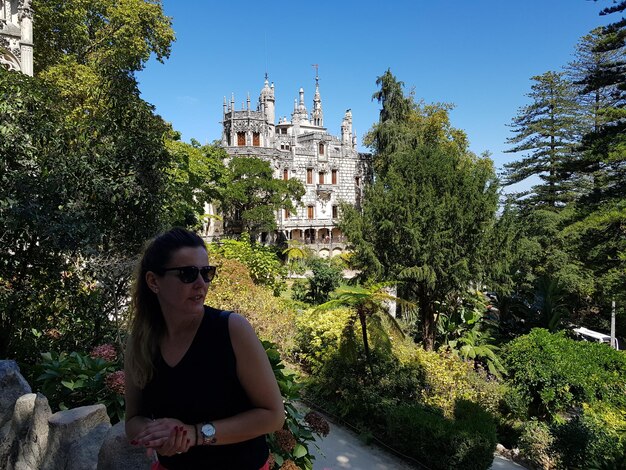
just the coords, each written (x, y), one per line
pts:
(200, 390)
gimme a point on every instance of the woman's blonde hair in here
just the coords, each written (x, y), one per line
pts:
(147, 323)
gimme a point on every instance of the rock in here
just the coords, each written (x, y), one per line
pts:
(69, 427)
(30, 424)
(13, 386)
(117, 453)
(83, 454)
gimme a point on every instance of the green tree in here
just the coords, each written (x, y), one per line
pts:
(547, 129)
(597, 230)
(297, 254)
(325, 279)
(253, 196)
(83, 160)
(197, 177)
(367, 302)
(116, 36)
(425, 216)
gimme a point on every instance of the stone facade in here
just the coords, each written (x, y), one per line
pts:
(16, 35)
(330, 167)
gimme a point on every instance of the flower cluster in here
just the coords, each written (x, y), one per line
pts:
(289, 465)
(318, 423)
(104, 351)
(285, 440)
(116, 382)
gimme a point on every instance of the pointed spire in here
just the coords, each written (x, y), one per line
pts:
(317, 115)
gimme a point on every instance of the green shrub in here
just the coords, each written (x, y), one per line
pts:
(594, 436)
(262, 261)
(345, 386)
(465, 442)
(234, 289)
(75, 379)
(326, 278)
(446, 379)
(536, 444)
(552, 373)
(319, 335)
(300, 290)
(580, 440)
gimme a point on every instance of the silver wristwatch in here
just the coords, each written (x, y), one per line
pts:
(207, 431)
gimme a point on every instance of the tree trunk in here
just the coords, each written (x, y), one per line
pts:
(427, 314)
(366, 345)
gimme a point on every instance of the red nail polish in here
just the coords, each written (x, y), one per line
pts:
(185, 432)
(133, 442)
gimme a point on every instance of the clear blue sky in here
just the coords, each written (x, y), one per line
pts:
(477, 54)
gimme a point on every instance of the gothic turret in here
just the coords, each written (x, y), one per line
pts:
(267, 105)
(317, 116)
(300, 114)
(346, 128)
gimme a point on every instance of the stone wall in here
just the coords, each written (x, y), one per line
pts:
(34, 438)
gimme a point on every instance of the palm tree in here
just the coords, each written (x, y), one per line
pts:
(296, 253)
(365, 302)
(476, 345)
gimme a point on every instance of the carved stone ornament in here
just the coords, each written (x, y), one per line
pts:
(25, 10)
(324, 195)
(8, 61)
(239, 126)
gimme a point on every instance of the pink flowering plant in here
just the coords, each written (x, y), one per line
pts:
(78, 379)
(290, 446)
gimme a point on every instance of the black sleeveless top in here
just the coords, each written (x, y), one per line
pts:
(204, 387)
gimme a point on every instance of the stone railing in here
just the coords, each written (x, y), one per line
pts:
(33, 438)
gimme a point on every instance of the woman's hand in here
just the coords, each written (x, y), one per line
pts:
(166, 435)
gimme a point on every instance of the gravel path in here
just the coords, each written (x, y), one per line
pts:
(342, 449)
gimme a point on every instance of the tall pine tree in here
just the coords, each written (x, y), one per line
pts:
(546, 131)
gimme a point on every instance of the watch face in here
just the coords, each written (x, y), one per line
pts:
(208, 430)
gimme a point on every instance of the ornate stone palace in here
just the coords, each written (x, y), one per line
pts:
(16, 35)
(331, 168)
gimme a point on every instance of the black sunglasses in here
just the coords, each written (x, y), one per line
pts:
(189, 274)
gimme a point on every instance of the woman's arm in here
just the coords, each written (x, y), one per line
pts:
(167, 436)
(257, 378)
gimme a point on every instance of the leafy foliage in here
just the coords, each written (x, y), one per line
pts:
(263, 263)
(83, 160)
(253, 195)
(319, 335)
(465, 442)
(326, 278)
(547, 129)
(197, 176)
(366, 303)
(234, 289)
(77, 379)
(112, 35)
(425, 216)
(552, 373)
(293, 441)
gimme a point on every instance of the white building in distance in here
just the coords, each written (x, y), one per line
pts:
(331, 168)
(16, 35)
